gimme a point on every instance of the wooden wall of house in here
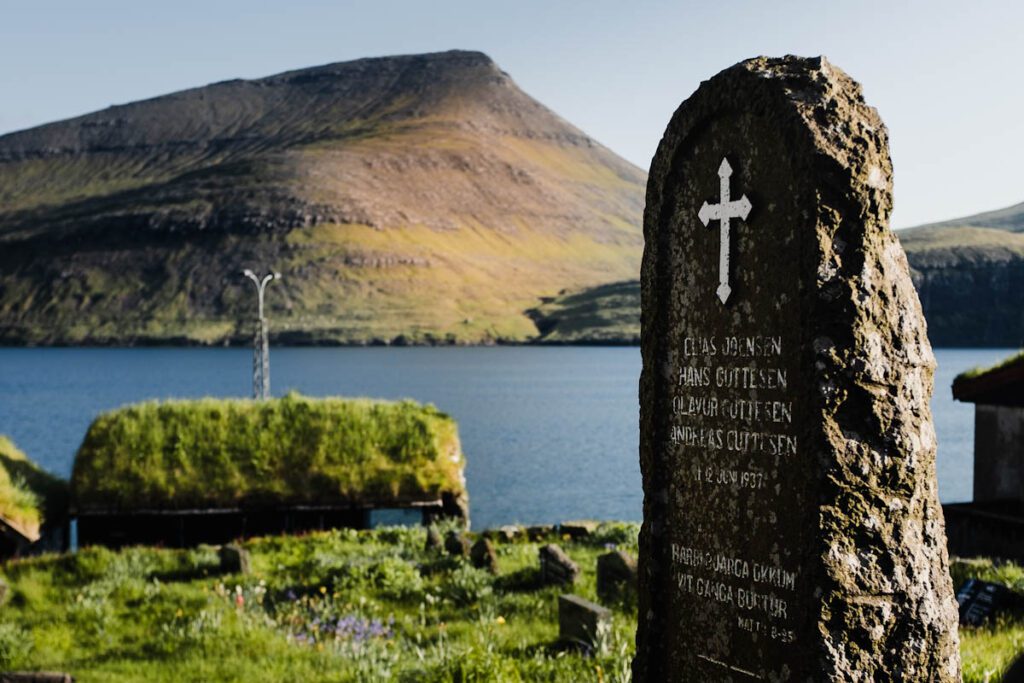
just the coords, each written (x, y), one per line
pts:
(998, 453)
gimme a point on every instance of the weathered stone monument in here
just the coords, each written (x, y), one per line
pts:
(792, 528)
(582, 622)
(234, 559)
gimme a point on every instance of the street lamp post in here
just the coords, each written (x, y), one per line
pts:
(261, 346)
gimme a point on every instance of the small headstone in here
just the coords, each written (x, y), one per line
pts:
(456, 543)
(36, 677)
(507, 533)
(556, 567)
(616, 575)
(792, 528)
(433, 542)
(482, 556)
(234, 559)
(581, 622)
(538, 532)
(1014, 672)
(578, 529)
(981, 601)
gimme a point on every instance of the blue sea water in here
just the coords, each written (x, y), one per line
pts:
(550, 433)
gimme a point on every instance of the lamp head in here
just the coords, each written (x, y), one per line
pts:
(248, 273)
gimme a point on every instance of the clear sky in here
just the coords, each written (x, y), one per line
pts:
(947, 77)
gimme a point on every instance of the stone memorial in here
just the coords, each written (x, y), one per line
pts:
(36, 677)
(981, 601)
(433, 541)
(483, 556)
(456, 543)
(556, 567)
(582, 622)
(792, 528)
(616, 575)
(1015, 672)
(234, 559)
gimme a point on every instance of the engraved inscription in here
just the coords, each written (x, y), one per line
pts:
(732, 416)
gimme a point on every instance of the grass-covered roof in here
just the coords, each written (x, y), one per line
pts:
(28, 494)
(1000, 384)
(217, 453)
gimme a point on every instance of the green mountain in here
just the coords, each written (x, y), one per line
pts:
(969, 274)
(403, 199)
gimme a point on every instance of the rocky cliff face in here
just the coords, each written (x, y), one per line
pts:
(416, 198)
(969, 274)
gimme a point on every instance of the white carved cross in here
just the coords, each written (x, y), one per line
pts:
(722, 212)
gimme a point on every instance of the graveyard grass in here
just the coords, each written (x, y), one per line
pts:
(343, 605)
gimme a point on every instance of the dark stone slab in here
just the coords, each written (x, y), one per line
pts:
(1015, 672)
(433, 542)
(582, 622)
(792, 529)
(539, 532)
(483, 556)
(981, 601)
(556, 567)
(578, 529)
(234, 559)
(508, 533)
(616, 575)
(456, 543)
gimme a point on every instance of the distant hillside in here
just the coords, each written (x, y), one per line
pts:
(969, 273)
(606, 314)
(404, 199)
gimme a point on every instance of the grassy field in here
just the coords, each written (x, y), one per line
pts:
(343, 606)
(330, 606)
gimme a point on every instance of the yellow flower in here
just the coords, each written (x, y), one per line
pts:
(566, 537)
(323, 589)
(500, 619)
(179, 613)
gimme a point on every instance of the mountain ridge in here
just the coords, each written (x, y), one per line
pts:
(969, 273)
(397, 184)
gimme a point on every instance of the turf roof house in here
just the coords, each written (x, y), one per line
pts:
(33, 505)
(179, 473)
(993, 523)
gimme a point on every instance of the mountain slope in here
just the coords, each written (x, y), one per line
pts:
(969, 273)
(414, 198)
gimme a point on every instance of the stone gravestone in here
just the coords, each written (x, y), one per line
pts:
(582, 622)
(792, 528)
(555, 566)
(980, 601)
(234, 559)
(616, 575)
